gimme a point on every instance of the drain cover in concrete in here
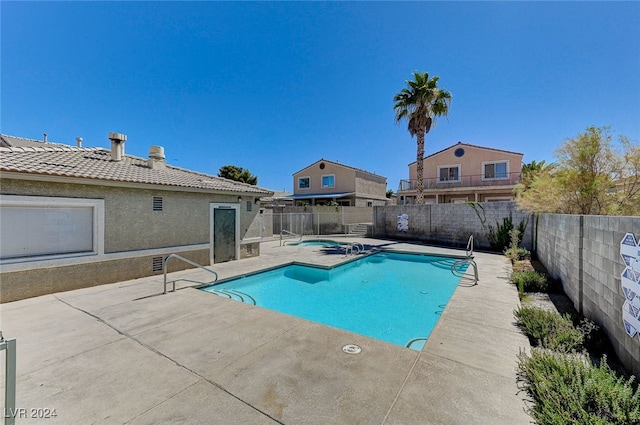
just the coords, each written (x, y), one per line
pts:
(351, 349)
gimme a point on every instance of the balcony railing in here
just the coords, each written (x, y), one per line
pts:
(477, 180)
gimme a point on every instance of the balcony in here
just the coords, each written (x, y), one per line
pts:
(476, 181)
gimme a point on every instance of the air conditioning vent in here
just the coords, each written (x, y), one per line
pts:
(156, 264)
(157, 203)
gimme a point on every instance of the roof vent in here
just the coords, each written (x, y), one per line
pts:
(44, 137)
(79, 141)
(117, 145)
(156, 158)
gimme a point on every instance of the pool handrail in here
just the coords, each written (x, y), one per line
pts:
(410, 343)
(291, 234)
(469, 249)
(458, 273)
(359, 248)
(186, 260)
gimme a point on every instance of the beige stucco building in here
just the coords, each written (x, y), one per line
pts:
(462, 173)
(326, 181)
(74, 217)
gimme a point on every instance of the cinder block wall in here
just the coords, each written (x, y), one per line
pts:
(584, 253)
(450, 224)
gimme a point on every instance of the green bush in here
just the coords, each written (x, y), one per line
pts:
(549, 329)
(517, 254)
(567, 390)
(530, 281)
(500, 236)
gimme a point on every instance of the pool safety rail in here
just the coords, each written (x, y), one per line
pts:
(458, 270)
(291, 234)
(414, 340)
(10, 411)
(193, 263)
(354, 248)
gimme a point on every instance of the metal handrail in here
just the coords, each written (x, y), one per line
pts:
(10, 411)
(353, 245)
(468, 261)
(410, 343)
(472, 180)
(291, 234)
(186, 260)
(470, 247)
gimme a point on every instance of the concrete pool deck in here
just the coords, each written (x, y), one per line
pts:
(123, 353)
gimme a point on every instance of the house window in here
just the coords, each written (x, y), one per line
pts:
(495, 170)
(38, 226)
(249, 207)
(449, 173)
(304, 182)
(328, 181)
(369, 203)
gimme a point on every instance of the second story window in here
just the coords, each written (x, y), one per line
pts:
(495, 170)
(304, 183)
(449, 173)
(328, 181)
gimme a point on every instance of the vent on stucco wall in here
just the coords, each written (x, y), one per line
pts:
(157, 203)
(156, 264)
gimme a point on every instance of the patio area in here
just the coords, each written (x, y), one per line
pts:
(126, 354)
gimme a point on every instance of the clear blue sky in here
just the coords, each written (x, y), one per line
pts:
(275, 86)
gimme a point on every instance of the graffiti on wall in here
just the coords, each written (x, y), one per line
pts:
(630, 280)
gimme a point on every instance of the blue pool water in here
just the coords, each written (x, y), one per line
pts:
(388, 296)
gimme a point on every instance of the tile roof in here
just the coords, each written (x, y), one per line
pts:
(49, 159)
(459, 144)
(340, 165)
(21, 142)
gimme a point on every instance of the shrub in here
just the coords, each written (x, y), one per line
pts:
(530, 281)
(500, 238)
(567, 389)
(549, 329)
(515, 252)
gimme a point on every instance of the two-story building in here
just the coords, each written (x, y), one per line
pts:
(463, 173)
(324, 182)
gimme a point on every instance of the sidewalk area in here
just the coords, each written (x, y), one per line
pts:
(126, 354)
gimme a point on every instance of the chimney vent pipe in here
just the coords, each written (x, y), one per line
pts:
(117, 145)
(44, 139)
(156, 158)
(79, 141)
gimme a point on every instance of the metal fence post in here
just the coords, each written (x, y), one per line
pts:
(10, 379)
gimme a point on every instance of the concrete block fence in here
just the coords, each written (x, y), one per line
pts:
(450, 224)
(583, 252)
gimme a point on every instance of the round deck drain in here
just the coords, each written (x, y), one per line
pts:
(351, 349)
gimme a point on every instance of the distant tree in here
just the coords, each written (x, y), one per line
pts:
(532, 169)
(591, 177)
(389, 193)
(420, 103)
(238, 174)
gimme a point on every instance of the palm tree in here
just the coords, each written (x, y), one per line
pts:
(421, 102)
(532, 169)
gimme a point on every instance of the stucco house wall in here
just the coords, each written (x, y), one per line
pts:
(361, 188)
(472, 183)
(138, 213)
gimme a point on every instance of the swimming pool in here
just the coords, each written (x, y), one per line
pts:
(392, 297)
